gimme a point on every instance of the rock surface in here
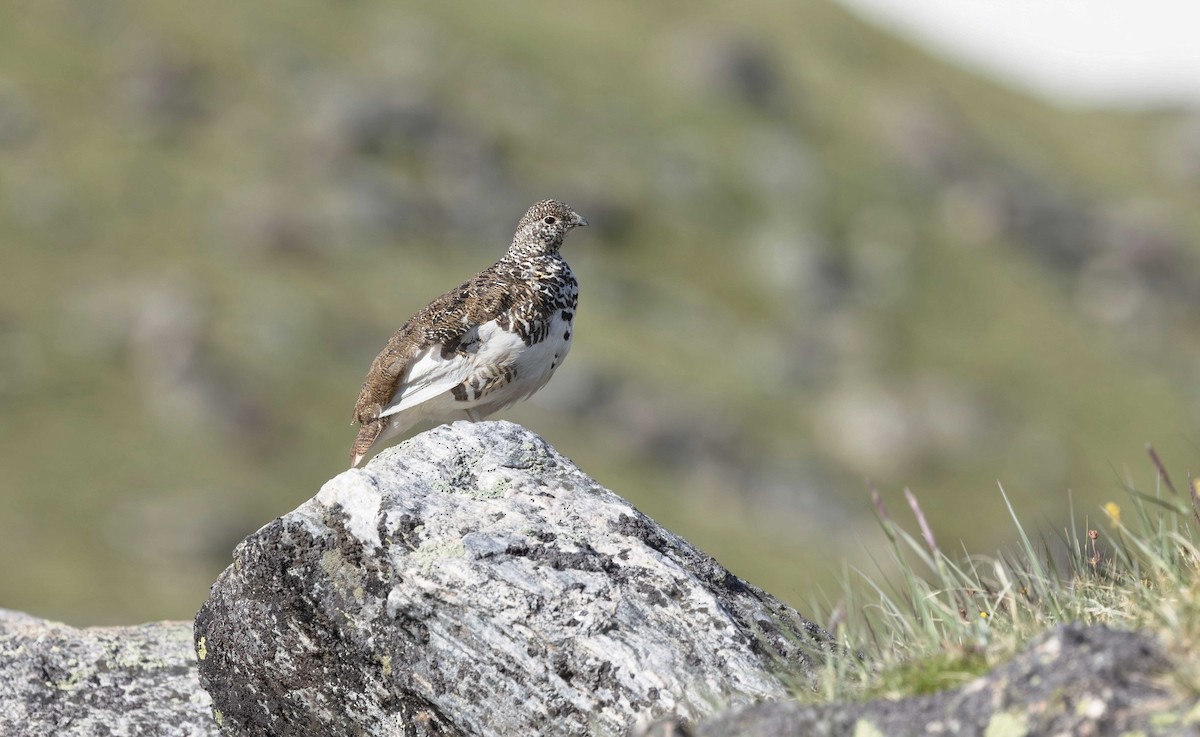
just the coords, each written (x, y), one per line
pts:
(472, 581)
(58, 681)
(1074, 680)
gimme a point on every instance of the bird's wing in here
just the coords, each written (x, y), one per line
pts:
(426, 357)
(484, 362)
(433, 372)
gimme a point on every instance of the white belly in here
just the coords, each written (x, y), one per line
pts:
(532, 365)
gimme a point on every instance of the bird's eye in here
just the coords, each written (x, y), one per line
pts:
(549, 220)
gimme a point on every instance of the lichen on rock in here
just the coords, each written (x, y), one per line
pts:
(60, 681)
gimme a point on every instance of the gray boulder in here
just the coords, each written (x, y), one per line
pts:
(58, 681)
(472, 581)
(1073, 680)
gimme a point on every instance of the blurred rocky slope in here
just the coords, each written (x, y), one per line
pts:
(821, 256)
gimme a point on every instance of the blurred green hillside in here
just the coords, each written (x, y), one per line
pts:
(819, 256)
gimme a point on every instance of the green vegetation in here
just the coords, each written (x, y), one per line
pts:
(945, 619)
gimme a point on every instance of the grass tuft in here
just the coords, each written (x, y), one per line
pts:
(943, 620)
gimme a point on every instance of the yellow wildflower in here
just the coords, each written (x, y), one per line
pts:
(1113, 510)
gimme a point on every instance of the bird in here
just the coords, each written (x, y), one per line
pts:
(482, 346)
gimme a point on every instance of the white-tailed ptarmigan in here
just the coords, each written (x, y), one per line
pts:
(479, 347)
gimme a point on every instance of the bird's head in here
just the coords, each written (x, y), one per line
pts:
(544, 226)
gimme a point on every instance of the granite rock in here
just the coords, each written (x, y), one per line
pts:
(59, 681)
(473, 581)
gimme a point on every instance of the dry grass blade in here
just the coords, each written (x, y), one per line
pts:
(926, 532)
(1162, 470)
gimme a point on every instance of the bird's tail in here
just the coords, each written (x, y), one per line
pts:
(368, 433)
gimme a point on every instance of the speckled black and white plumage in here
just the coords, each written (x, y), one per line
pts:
(482, 346)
